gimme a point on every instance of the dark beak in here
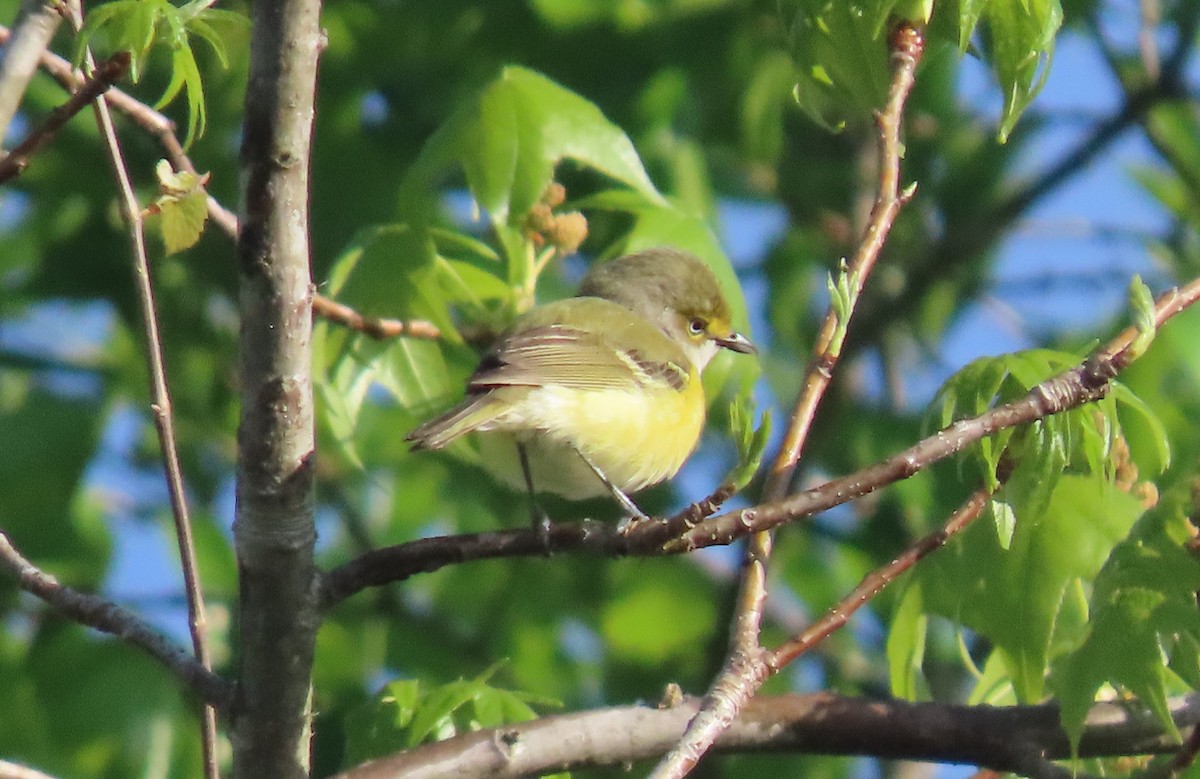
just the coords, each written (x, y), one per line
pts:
(736, 342)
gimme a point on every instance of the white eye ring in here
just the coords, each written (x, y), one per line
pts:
(696, 326)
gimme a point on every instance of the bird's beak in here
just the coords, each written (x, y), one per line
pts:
(736, 342)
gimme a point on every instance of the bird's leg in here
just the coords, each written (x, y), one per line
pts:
(635, 513)
(541, 522)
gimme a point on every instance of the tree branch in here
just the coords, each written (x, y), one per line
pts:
(100, 614)
(1016, 738)
(274, 530)
(682, 533)
(36, 24)
(382, 329)
(106, 74)
(975, 235)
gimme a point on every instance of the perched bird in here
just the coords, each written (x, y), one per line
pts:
(599, 393)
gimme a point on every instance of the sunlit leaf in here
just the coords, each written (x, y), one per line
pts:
(508, 141)
(1014, 596)
(841, 58)
(1020, 47)
(1144, 609)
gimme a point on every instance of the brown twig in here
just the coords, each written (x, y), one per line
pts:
(107, 617)
(745, 669)
(874, 582)
(105, 75)
(341, 314)
(680, 534)
(1020, 739)
(160, 407)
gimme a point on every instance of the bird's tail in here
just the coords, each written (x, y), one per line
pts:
(470, 415)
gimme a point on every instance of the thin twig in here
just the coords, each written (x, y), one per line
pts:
(160, 407)
(100, 614)
(680, 534)
(341, 314)
(744, 670)
(875, 581)
(111, 70)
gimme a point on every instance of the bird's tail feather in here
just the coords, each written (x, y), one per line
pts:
(466, 417)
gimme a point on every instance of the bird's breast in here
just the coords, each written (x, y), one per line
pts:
(637, 437)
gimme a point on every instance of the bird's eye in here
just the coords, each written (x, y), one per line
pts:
(697, 326)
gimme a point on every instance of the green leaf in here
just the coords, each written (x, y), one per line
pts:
(1020, 47)
(1013, 597)
(906, 645)
(392, 271)
(183, 205)
(433, 719)
(1144, 610)
(137, 25)
(378, 727)
(969, 12)
(1006, 522)
(405, 714)
(751, 442)
(1144, 415)
(510, 138)
(841, 58)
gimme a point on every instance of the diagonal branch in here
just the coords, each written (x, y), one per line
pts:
(975, 235)
(106, 74)
(100, 614)
(875, 582)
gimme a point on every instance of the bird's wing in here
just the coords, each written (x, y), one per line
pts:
(561, 355)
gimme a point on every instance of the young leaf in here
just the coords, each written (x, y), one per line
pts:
(841, 58)
(1020, 47)
(1141, 301)
(183, 205)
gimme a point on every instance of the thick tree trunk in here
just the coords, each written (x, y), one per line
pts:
(274, 530)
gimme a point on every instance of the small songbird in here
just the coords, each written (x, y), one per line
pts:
(599, 393)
